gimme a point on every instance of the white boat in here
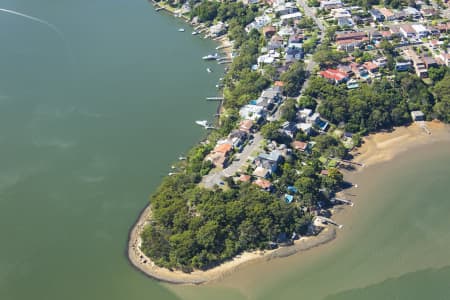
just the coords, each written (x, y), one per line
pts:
(211, 56)
(208, 70)
(181, 29)
(181, 158)
(195, 32)
(203, 123)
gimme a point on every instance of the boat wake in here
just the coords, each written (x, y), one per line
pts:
(43, 22)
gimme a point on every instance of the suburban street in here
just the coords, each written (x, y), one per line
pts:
(310, 12)
(213, 178)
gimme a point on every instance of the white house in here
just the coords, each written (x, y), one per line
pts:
(258, 23)
(293, 16)
(330, 4)
(421, 31)
(251, 112)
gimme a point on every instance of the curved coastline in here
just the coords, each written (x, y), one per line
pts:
(141, 262)
(377, 148)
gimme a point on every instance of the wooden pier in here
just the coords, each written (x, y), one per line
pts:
(348, 202)
(324, 220)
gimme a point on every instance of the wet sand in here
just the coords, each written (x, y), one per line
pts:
(384, 146)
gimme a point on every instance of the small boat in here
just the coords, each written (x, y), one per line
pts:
(195, 32)
(159, 8)
(211, 56)
(181, 29)
(181, 158)
(203, 123)
(208, 70)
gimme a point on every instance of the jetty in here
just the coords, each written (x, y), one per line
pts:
(351, 162)
(345, 201)
(214, 98)
(223, 46)
(324, 220)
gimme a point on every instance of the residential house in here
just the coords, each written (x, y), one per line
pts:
(286, 9)
(345, 22)
(275, 42)
(421, 31)
(381, 61)
(334, 76)
(330, 4)
(263, 184)
(403, 66)
(340, 13)
(412, 12)
(252, 112)
(429, 12)
(246, 126)
(286, 31)
(289, 129)
(237, 138)
(269, 161)
(387, 14)
(218, 29)
(300, 146)
(294, 16)
(417, 115)
(377, 16)
(429, 62)
(304, 114)
(219, 156)
(407, 31)
(418, 63)
(293, 54)
(261, 172)
(371, 67)
(269, 31)
(258, 23)
(244, 178)
(306, 128)
(296, 39)
(445, 57)
(345, 69)
(349, 41)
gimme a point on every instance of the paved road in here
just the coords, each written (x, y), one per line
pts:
(211, 179)
(311, 13)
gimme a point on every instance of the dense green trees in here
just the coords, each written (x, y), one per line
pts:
(442, 92)
(370, 108)
(293, 79)
(206, 227)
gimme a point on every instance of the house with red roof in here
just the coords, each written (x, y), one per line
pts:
(371, 67)
(334, 76)
(263, 184)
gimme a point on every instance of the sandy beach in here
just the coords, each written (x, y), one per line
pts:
(384, 146)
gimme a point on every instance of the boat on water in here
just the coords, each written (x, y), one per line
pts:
(181, 29)
(182, 158)
(203, 123)
(211, 56)
(159, 8)
(208, 70)
(195, 32)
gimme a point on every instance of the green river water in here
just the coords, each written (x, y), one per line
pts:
(94, 107)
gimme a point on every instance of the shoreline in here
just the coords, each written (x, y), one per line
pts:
(376, 148)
